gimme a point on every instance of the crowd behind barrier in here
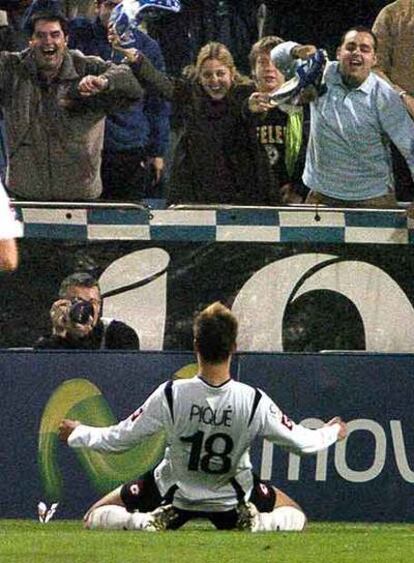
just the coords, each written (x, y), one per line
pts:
(207, 128)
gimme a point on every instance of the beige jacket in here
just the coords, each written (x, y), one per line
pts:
(54, 149)
(394, 28)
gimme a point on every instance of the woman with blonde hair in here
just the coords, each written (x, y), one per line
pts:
(216, 51)
(214, 161)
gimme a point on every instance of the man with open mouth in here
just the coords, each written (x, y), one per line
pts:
(54, 102)
(348, 161)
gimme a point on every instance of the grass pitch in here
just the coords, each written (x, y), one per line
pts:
(66, 542)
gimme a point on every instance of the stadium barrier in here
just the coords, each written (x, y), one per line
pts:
(368, 477)
(300, 279)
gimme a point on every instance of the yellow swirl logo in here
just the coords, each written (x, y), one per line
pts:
(82, 400)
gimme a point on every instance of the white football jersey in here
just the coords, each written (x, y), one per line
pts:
(206, 465)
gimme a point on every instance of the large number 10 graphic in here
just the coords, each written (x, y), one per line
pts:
(204, 462)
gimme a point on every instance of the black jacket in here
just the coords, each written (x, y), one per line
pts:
(215, 160)
(113, 336)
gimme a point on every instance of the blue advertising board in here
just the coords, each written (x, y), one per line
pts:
(367, 477)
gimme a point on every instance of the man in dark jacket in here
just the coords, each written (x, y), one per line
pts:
(136, 138)
(77, 322)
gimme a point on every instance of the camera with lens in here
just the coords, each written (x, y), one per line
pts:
(81, 311)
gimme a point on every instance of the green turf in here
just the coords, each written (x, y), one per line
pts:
(66, 542)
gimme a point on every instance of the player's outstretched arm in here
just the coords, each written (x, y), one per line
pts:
(280, 429)
(146, 421)
(302, 440)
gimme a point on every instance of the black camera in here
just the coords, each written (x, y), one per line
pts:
(81, 311)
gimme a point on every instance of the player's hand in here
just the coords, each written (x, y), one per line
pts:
(259, 103)
(303, 51)
(91, 85)
(343, 431)
(66, 427)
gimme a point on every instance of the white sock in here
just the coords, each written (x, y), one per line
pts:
(115, 517)
(282, 518)
(109, 517)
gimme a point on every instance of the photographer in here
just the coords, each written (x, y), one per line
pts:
(77, 322)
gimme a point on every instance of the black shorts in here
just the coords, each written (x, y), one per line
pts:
(143, 495)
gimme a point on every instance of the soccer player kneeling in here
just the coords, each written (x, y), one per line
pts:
(210, 422)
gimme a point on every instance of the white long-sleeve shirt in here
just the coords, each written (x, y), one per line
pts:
(209, 431)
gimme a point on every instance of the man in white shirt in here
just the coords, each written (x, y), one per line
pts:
(348, 161)
(209, 422)
(9, 230)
